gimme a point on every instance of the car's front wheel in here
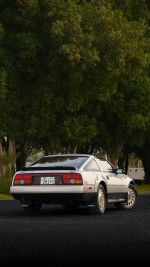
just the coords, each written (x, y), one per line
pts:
(100, 203)
(132, 199)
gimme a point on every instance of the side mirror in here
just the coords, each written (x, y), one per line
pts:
(118, 171)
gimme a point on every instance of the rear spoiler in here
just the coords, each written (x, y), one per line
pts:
(47, 168)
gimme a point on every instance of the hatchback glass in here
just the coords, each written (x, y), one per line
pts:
(61, 161)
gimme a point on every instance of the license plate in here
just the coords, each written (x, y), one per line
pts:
(47, 180)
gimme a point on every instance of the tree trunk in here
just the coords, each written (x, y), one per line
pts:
(1, 160)
(49, 145)
(21, 158)
(10, 169)
(146, 165)
(126, 163)
(144, 154)
(75, 149)
(91, 150)
(68, 149)
(123, 159)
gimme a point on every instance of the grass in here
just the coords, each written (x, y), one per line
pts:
(143, 188)
(5, 183)
(4, 196)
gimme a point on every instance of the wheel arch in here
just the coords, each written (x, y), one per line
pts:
(132, 182)
(104, 185)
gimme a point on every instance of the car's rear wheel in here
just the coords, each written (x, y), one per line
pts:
(32, 207)
(132, 199)
(100, 203)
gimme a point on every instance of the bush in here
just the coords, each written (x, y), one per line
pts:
(5, 183)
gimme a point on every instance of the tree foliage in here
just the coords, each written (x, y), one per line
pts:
(74, 75)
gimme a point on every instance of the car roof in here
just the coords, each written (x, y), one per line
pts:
(68, 155)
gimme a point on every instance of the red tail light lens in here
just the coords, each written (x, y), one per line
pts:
(72, 179)
(67, 178)
(23, 179)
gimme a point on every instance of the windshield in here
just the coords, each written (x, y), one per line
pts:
(60, 161)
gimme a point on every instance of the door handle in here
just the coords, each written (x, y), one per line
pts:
(107, 177)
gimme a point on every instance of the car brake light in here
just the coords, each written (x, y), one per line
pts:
(23, 179)
(67, 178)
(72, 179)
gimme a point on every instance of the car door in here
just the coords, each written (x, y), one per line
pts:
(114, 181)
(89, 173)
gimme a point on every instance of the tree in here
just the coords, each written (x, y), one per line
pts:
(75, 70)
(3, 90)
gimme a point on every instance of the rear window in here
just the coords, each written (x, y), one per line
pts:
(60, 161)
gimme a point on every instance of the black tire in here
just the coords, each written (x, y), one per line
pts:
(33, 207)
(100, 203)
(132, 199)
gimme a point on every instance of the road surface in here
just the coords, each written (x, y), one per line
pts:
(56, 237)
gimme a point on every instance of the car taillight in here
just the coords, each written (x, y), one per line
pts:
(72, 178)
(23, 179)
(66, 178)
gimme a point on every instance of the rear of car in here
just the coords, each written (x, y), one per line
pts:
(72, 180)
(51, 180)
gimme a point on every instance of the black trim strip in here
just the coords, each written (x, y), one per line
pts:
(117, 196)
(56, 198)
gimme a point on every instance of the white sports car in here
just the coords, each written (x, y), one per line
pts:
(73, 180)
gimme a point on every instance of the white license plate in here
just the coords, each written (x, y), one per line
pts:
(47, 180)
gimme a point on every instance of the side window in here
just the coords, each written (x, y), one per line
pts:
(105, 165)
(92, 166)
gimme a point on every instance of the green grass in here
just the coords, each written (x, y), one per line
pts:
(4, 196)
(5, 183)
(143, 188)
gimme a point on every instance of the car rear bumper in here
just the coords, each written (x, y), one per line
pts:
(42, 189)
(52, 194)
(55, 198)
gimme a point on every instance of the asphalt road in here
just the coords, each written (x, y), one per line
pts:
(56, 237)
